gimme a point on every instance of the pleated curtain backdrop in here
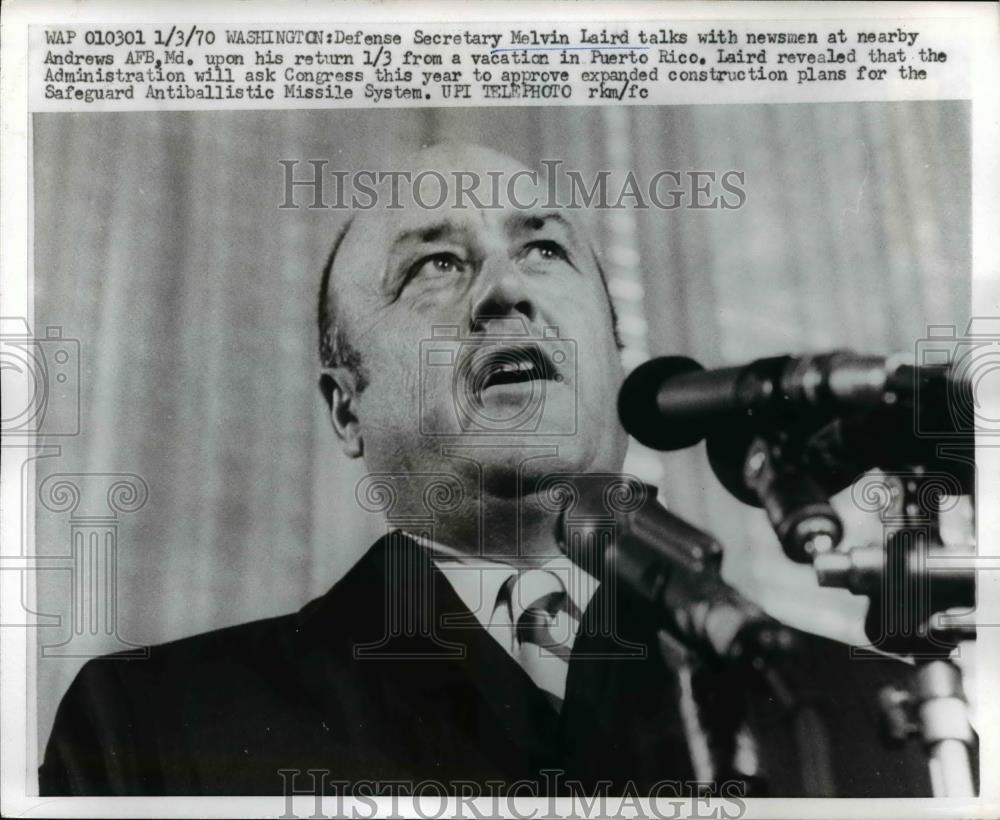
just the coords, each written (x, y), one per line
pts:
(160, 246)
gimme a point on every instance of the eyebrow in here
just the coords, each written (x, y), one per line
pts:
(427, 233)
(537, 220)
(530, 221)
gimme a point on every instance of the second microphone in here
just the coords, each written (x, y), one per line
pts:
(672, 568)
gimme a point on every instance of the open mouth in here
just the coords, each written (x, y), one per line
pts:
(501, 365)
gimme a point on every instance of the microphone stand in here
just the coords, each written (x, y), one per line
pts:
(934, 707)
(706, 632)
(903, 596)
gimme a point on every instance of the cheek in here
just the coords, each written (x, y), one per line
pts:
(586, 304)
(409, 389)
(392, 368)
(602, 378)
(593, 330)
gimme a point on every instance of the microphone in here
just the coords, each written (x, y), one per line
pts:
(829, 457)
(672, 402)
(671, 568)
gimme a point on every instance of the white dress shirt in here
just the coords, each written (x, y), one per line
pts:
(478, 583)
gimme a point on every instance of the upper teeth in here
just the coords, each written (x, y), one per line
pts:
(513, 367)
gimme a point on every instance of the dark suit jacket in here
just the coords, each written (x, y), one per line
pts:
(388, 678)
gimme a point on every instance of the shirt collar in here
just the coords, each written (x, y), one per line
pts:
(477, 581)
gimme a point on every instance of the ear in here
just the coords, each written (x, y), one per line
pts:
(339, 387)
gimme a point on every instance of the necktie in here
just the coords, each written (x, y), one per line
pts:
(545, 623)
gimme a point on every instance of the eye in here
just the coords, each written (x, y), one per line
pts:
(438, 263)
(546, 250)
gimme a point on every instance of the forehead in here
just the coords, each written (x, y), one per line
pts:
(378, 235)
(438, 201)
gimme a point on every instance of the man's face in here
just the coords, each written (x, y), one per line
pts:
(489, 329)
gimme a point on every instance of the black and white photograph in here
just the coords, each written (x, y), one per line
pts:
(611, 453)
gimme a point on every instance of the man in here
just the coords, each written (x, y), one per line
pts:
(469, 356)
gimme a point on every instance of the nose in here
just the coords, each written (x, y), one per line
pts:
(502, 294)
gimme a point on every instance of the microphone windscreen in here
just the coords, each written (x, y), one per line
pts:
(638, 406)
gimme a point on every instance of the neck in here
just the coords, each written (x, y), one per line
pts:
(509, 530)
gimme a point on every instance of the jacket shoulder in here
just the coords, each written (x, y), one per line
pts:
(121, 707)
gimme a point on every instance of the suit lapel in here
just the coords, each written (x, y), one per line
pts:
(620, 719)
(421, 667)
